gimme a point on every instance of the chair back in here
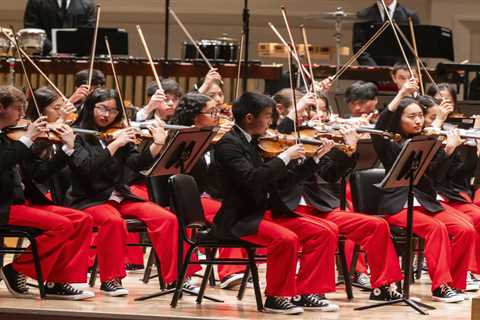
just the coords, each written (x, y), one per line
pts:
(365, 195)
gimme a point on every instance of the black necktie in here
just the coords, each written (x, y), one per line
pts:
(64, 7)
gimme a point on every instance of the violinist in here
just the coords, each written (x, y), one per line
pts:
(454, 186)
(283, 98)
(81, 89)
(161, 104)
(99, 187)
(63, 245)
(444, 91)
(401, 74)
(51, 105)
(251, 211)
(448, 260)
(361, 98)
(212, 86)
(313, 200)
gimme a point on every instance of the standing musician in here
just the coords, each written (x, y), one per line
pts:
(99, 187)
(51, 14)
(448, 260)
(63, 245)
(251, 211)
(376, 14)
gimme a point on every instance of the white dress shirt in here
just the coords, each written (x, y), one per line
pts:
(60, 3)
(390, 7)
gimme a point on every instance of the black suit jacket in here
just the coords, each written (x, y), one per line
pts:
(20, 171)
(373, 16)
(459, 170)
(250, 185)
(96, 174)
(393, 200)
(47, 15)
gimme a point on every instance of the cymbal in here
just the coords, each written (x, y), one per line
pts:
(339, 14)
(226, 38)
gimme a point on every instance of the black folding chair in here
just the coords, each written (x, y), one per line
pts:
(11, 231)
(185, 203)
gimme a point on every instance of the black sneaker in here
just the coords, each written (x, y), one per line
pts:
(16, 282)
(446, 294)
(64, 291)
(385, 293)
(280, 305)
(362, 280)
(134, 268)
(231, 281)
(314, 302)
(113, 288)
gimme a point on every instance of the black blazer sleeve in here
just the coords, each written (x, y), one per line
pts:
(86, 159)
(31, 18)
(12, 154)
(42, 170)
(386, 150)
(134, 159)
(232, 157)
(335, 165)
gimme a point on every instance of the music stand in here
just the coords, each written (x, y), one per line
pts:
(408, 169)
(180, 155)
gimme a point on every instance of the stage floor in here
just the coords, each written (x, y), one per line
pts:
(103, 307)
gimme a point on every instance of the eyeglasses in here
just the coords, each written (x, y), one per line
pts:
(106, 111)
(212, 113)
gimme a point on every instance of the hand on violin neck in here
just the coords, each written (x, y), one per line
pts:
(37, 128)
(124, 136)
(453, 141)
(350, 136)
(65, 133)
(327, 146)
(66, 111)
(294, 152)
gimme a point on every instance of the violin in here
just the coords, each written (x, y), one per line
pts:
(273, 144)
(224, 122)
(17, 131)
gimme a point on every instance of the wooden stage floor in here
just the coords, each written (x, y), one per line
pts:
(102, 307)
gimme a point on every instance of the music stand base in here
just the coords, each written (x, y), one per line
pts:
(417, 306)
(171, 291)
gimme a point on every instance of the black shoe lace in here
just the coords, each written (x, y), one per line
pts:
(68, 289)
(21, 282)
(315, 299)
(447, 291)
(283, 303)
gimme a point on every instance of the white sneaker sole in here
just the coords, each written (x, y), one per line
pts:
(297, 310)
(77, 297)
(28, 295)
(117, 293)
(329, 308)
(232, 282)
(449, 300)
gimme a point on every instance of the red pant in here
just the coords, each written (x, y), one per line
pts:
(372, 233)
(162, 229)
(283, 238)
(210, 209)
(63, 246)
(473, 212)
(448, 261)
(361, 265)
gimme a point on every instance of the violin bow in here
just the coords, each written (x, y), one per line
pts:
(25, 73)
(149, 56)
(239, 66)
(117, 84)
(415, 49)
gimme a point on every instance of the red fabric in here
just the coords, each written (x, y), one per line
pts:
(63, 247)
(162, 229)
(283, 238)
(448, 261)
(134, 253)
(473, 211)
(361, 265)
(372, 233)
(140, 190)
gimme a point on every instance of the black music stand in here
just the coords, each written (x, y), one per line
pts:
(180, 155)
(408, 169)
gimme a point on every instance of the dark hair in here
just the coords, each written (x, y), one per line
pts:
(361, 91)
(170, 86)
(81, 78)
(9, 95)
(188, 108)
(395, 126)
(323, 97)
(251, 102)
(427, 102)
(202, 81)
(86, 117)
(44, 97)
(434, 90)
(401, 65)
(284, 97)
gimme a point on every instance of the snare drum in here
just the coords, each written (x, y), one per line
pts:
(5, 45)
(31, 40)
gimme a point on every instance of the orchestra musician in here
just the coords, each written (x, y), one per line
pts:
(65, 239)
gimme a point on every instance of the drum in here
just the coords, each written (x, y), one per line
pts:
(31, 40)
(214, 50)
(5, 45)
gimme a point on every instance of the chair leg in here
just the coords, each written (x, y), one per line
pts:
(356, 252)
(243, 284)
(206, 276)
(420, 257)
(211, 279)
(93, 275)
(256, 281)
(181, 278)
(38, 266)
(345, 270)
(161, 282)
(18, 246)
(148, 267)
